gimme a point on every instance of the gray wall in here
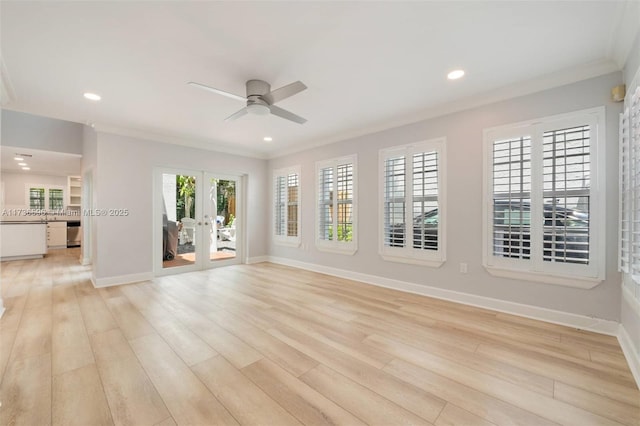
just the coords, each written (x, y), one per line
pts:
(463, 131)
(125, 180)
(36, 132)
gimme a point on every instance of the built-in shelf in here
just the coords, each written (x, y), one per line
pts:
(74, 199)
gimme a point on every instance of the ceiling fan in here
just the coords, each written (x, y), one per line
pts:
(260, 99)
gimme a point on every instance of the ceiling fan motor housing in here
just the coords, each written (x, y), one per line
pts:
(255, 103)
(257, 88)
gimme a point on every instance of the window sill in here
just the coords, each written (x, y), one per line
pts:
(413, 261)
(349, 251)
(575, 282)
(285, 243)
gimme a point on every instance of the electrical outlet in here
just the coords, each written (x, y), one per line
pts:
(463, 268)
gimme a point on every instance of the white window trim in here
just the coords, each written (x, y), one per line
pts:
(335, 246)
(585, 276)
(284, 240)
(47, 187)
(431, 258)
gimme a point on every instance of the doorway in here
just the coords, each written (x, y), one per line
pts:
(197, 220)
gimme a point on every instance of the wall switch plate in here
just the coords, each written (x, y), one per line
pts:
(463, 268)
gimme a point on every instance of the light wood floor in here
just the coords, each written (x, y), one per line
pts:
(266, 344)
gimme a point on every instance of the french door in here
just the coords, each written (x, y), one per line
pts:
(197, 220)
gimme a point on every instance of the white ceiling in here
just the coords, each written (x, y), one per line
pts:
(368, 65)
(40, 162)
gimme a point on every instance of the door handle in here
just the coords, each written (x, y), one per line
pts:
(199, 223)
(206, 223)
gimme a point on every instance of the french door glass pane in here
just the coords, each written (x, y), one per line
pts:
(178, 220)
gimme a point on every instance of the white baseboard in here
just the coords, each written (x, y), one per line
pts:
(1, 308)
(121, 279)
(630, 353)
(84, 261)
(582, 322)
(257, 259)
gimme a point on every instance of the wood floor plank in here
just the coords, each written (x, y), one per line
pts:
(246, 401)
(279, 345)
(508, 372)
(71, 407)
(416, 400)
(132, 397)
(534, 402)
(455, 416)
(129, 319)
(26, 391)
(362, 402)
(183, 341)
(598, 404)
(610, 387)
(477, 402)
(284, 355)
(9, 323)
(97, 317)
(305, 403)
(186, 397)
(33, 337)
(69, 340)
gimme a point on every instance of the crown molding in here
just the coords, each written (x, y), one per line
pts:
(538, 84)
(178, 140)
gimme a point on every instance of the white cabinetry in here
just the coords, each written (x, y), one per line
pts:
(56, 234)
(75, 192)
(22, 240)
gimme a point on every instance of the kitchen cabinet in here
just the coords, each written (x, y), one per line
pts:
(23, 240)
(57, 234)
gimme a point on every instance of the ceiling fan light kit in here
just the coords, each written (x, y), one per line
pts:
(261, 99)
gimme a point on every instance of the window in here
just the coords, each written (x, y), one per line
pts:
(287, 206)
(629, 221)
(56, 199)
(412, 203)
(45, 197)
(544, 209)
(336, 205)
(36, 198)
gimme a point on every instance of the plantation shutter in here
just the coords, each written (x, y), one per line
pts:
(511, 183)
(394, 201)
(566, 184)
(293, 183)
(279, 208)
(634, 202)
(625, 194)
(325, 204)
(424, 200)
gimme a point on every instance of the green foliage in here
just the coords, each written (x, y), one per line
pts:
(185, 196)
(345, 233)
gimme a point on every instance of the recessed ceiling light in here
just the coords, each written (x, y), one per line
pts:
(455, 74)
(26, 168)
(18, 158)
(22, 164)
(267, 139)
(92, 96)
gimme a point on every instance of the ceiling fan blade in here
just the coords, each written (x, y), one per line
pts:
(218, 91)
(283, 113)
(284, 92)
(237, 115)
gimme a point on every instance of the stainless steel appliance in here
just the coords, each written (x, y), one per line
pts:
(74, 233)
